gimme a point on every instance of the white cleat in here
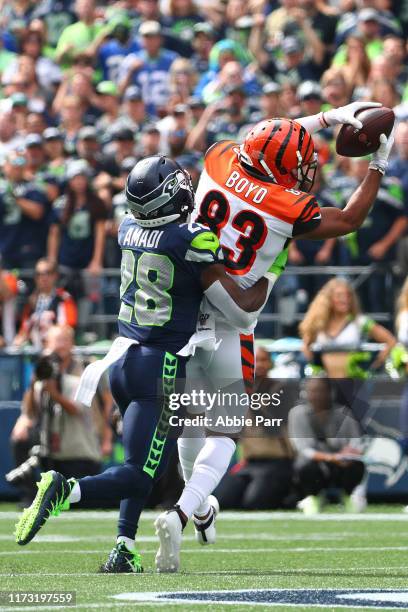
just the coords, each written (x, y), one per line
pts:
(206, 532)
(169, 529)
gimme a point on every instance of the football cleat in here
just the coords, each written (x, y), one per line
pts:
(121, 560)
(310, 505)
(52, 497)
(354, 503)
(205, 531)
(169, 528)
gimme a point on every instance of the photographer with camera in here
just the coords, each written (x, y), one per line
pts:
(66, 433)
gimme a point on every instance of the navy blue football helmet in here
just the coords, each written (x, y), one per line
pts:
(159, 191)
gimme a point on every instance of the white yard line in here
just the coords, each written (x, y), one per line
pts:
(150, 573)
(237, 550)
(108, 606)
(149, 515)
(268, 537)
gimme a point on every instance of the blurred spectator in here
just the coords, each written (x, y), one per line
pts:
(35, 123)
(401, 320)
(310, 96)
(48, 305)
(77, 233)
(356, 65)
(395, 54)
(133, 110)
(375, 242)
(6, 57)
(24, 216)
(77, 82)
(269, 102)
(384, 91)
(48, 73)
(120, 44)
(123, 140)
(181, 19)
(203, 41)
(398, 166)
(191, 162)
(9, 139)
(19, 105)
(327, 442)
(336, 90)
(295, 64)
(219, 73)
(369, 21)
(314, 252)
(149, 69)
(35, 156)
(71, 121)
(182, 80)
(78, 37)
(16, 15)
(334, 319)
(67, 432)
(55, 155)
(226, 119)
(149, 141)
(56, 15)
(262, 479)
(109, 103)
(8, 293)
(401, 326)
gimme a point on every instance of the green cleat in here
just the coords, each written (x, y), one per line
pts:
(121, 560)
(52, 497)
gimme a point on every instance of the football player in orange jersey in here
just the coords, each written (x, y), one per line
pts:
(255, 197)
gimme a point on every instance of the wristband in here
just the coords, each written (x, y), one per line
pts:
(381, 168)
(323, 121)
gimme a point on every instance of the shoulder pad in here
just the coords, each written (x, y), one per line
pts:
(218, 148)
(204, 247)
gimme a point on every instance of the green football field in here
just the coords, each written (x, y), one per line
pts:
(262, 561)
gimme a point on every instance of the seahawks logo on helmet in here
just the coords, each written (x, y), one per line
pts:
(159, 191)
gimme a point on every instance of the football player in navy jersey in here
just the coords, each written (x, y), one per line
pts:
(167, 266)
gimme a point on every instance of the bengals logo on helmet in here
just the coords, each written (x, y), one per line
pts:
(281, 151)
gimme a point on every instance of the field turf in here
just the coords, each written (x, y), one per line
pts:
(254, 551)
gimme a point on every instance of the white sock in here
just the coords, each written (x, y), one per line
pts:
(75, 495)
(130, 544)
(188, 450)
(210, 466)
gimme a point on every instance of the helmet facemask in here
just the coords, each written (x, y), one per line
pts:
(305, 173)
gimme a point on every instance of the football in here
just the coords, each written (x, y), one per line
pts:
(352, 142)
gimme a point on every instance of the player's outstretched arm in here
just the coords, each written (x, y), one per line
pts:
(336, 116)
(335, 222)
(239, 306)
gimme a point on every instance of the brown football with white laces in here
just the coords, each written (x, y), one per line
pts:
(352, 142)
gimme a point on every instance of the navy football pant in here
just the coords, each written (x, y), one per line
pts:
(141, 383)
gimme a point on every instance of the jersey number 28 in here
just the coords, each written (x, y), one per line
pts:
(153, 275)
(215, 212)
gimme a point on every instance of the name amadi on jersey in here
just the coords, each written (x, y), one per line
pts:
(161, 289)
(253, 219)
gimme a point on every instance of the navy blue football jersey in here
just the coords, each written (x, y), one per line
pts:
(161, 290)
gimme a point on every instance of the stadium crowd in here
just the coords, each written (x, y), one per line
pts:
(88, 88)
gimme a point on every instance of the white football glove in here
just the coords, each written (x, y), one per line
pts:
(346, 114)
(380, 157)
